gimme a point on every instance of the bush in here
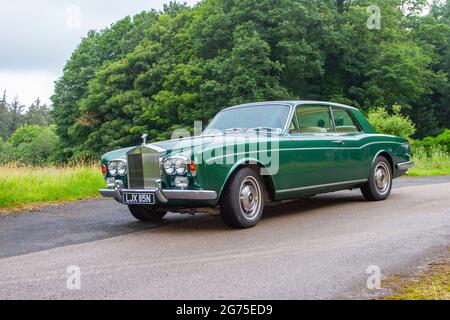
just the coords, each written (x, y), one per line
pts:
(395, 124)
(442, 140)
(32, 144)
(25, 134)
(7, 153)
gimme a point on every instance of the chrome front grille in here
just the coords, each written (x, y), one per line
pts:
(143, 168)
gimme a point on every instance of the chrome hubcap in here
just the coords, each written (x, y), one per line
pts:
(382, 178)
(250, 197)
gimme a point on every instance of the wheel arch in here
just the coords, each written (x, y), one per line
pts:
(257, 165)
(388, 156)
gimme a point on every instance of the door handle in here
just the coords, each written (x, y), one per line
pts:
(339, 142)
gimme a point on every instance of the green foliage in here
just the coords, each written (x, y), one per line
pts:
(95, 50)
(159, 71)
(38, 114)
(442, 140)
(7, 154)
(32, 144)
(14, 115)
(4, 118)
(392, 124)
(25, 134)
(430, 161)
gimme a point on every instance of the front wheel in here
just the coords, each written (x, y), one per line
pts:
(242, 203)
(379, 186)
(146, 214)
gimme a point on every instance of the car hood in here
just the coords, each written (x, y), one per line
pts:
(183, 144)
(192, 144)
(205, 142)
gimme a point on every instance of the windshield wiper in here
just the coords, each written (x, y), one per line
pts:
(268, 129)
(236, 129)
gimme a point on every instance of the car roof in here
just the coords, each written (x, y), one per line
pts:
(291, 103)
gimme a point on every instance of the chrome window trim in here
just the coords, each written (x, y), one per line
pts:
(346, 109)
(304, 104)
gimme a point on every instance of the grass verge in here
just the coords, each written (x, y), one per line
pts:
(21, 187)
(432, 162)
(431, 285)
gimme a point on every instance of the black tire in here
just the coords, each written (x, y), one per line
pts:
(242, 202)
(146, 214)
(379, 186)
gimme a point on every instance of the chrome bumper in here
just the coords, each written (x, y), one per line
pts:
(405, 165)
(163, 196)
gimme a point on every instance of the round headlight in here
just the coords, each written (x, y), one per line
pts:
(112, 168)
(122, 168)
(180, 166)
(169, 167)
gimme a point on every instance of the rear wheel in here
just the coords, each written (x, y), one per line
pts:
(242, 203)
(379, 186)
(146, 214)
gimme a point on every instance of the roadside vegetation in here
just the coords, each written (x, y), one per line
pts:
(434, 284)
(26, 186)
(432, 161)
(430, 155)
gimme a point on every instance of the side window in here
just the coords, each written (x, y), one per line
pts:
(314, 119)
(293, 129)
(344, 122)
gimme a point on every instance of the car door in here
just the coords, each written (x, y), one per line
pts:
(313, 155)
(349, 132)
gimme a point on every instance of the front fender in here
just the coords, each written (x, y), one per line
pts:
(235, 167)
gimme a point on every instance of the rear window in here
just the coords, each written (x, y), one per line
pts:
(344, 121)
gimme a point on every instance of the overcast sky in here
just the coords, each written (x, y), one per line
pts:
(37, 38)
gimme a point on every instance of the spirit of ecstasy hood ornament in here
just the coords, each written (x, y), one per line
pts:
(144, 138)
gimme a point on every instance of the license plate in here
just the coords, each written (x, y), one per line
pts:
(139, 198)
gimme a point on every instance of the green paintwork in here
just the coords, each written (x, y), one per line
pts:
(309, 163)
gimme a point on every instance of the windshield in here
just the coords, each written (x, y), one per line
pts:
(262, 117)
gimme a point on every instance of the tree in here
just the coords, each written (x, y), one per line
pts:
(38, 114)
(16, 110)
(95, 50)
(160, 71)
(5, 119)
(36, 145)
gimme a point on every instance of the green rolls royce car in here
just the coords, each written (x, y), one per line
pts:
(255, 154)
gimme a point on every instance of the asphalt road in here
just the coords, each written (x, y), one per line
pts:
(314, 249)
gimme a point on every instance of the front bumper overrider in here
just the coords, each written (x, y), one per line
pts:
(405, 165)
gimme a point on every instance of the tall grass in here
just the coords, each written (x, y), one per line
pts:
(430, 161)
(21, 186)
